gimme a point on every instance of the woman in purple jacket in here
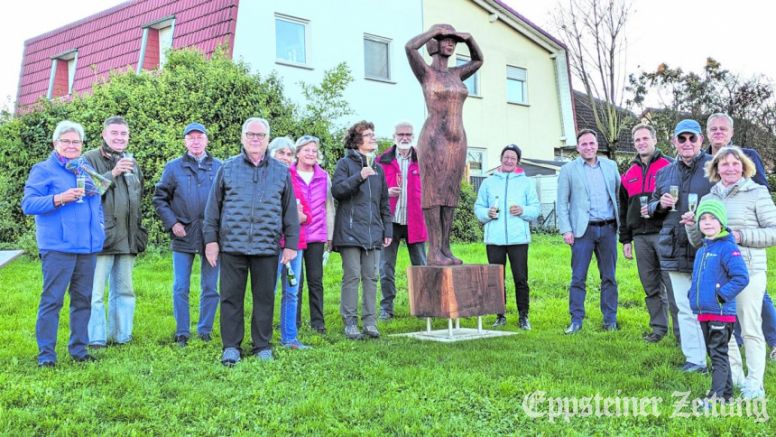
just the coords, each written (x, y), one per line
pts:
(69, 230)
(317, 183)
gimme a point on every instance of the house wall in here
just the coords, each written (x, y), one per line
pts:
(335, 35)
(490, 121)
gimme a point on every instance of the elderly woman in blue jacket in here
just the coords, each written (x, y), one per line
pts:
(66, 203)
(506, 203)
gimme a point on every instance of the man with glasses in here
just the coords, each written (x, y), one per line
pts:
(676, 253)
(641, 231)
(125, 236)
(402, 174)
(250, 206)
(179, 199)
(588, 218)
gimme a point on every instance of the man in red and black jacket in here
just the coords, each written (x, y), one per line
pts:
(636, 228)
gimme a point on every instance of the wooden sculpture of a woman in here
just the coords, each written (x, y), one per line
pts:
(442, 141)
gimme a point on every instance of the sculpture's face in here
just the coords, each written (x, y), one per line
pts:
(446, 46)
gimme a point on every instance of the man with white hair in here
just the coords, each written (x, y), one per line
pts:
(400, 164)
(250, 205)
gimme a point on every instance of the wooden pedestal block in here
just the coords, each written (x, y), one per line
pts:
(456, 291)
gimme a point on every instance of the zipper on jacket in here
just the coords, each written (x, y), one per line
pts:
(506, 211)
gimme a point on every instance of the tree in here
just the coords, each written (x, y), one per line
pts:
(682, 94)
(594, 34)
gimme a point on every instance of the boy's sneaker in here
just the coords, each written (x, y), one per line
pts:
(230, 357)
(524, 324)
(772, 355)
(181, 340)
(371, 331)
(501, 320)
(265, 355)
(295, 345)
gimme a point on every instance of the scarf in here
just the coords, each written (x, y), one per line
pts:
(95, 184)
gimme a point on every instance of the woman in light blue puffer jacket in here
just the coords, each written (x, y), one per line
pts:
(506, 204)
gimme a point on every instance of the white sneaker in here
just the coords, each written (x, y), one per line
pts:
(748, 393)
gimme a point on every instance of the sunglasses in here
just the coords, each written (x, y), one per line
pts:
(683, 139)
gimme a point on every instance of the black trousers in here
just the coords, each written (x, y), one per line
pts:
(234, 275)
(518, 261)
(717, 336)
(313, 271)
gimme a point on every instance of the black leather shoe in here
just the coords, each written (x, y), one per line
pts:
(611, 327)
(205, 337)
(573, 328)
(181, 340)
(651, 337)
(85, 359)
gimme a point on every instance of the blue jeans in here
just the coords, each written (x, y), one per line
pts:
(769, 323)
(61, 270)
(121, 304)
(289, 298)
(208, 300)
(601, 241)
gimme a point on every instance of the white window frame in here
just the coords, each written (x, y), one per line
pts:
(160, 26)
(524, 82)
(379, 40)
(72, 66)
(474, 78)
(470, 152)
(306, 27)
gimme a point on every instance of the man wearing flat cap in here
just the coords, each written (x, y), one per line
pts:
(686, 176)
(180, 198)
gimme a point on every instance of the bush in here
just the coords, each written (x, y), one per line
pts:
(466, 227)
(218, 92)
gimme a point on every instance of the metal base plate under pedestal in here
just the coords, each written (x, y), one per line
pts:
(443, 335)
(454, 334)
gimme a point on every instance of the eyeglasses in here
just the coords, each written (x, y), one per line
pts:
(400, 134)
(255, 135)
(683, 139)
(71, 142)
(368, 135)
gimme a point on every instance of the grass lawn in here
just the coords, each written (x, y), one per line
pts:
(386, 386)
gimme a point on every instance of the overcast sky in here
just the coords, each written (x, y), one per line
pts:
(683, 33)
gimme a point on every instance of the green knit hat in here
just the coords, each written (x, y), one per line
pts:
(713, 207)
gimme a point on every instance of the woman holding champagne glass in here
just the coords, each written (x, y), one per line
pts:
(752, 221)
(58, 199)
(362, 226)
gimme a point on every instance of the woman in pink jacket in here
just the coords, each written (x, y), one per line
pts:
(315, 184)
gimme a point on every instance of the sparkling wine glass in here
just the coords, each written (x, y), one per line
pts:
(80, 181)
(674, 191)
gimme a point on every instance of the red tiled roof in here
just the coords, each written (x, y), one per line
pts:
(110, 40)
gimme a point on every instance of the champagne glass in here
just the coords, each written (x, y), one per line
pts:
(370, 159)
(674, 191)
(495, 205)
(398, 180)
(80, 181)
(644, 201)
(127, 155)
(692, 201)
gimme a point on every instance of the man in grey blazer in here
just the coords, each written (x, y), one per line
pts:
(588, 217)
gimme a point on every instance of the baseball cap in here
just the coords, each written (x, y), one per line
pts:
(194, 127)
